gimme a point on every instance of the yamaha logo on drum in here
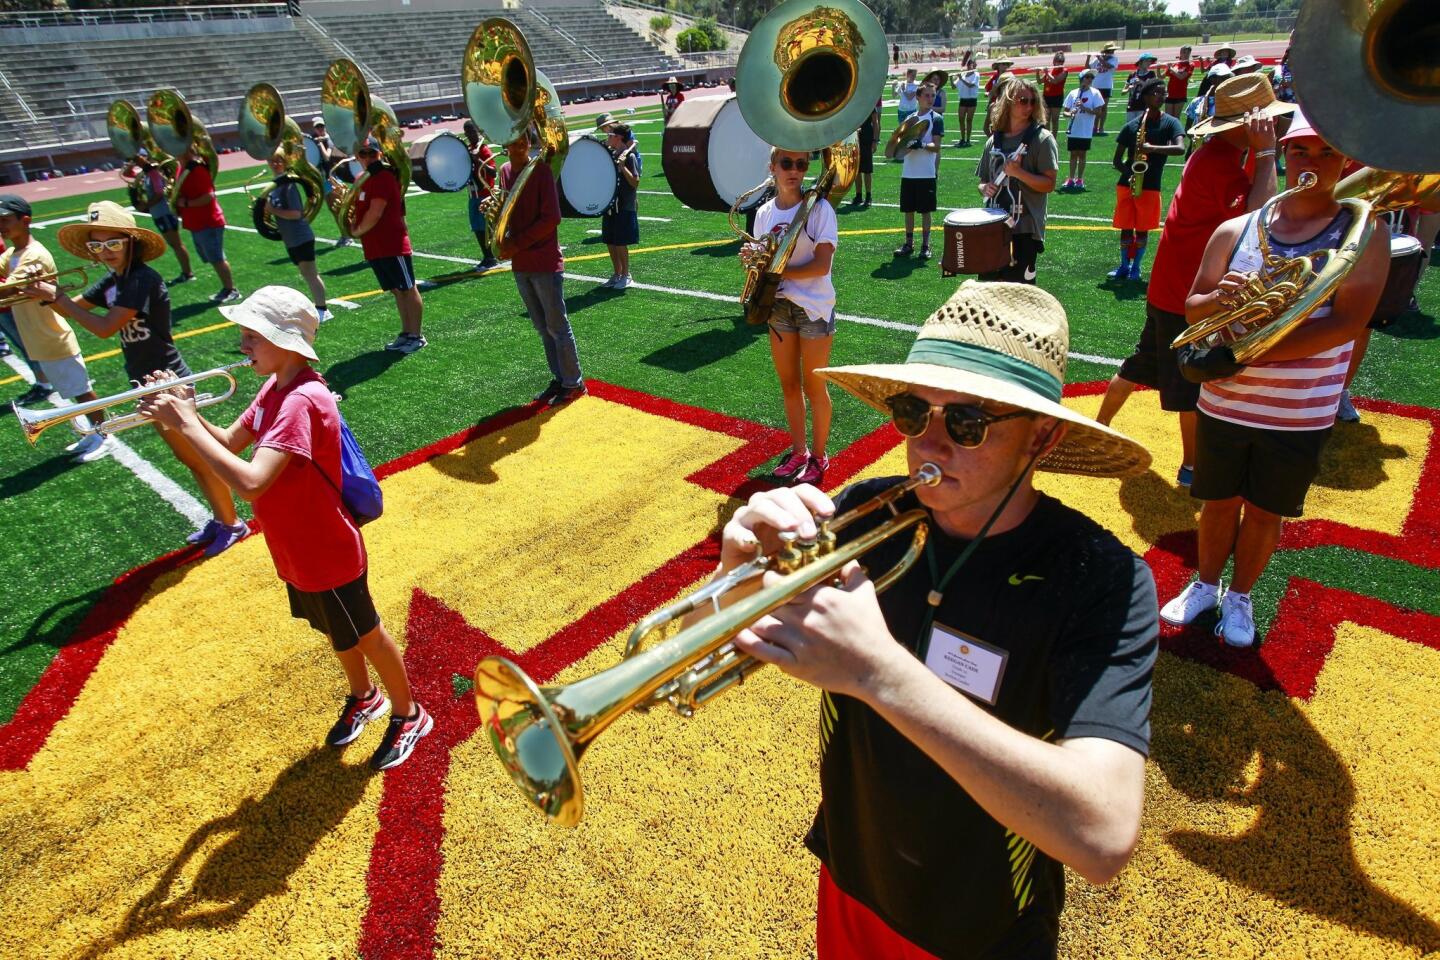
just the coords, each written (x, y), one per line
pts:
(682, 148)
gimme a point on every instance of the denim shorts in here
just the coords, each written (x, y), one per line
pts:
(209, 244)
(67, 375)
(789, 317)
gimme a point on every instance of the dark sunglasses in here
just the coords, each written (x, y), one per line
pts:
(1029, 100)
(966, 423)
(788, 164)
(367, 153)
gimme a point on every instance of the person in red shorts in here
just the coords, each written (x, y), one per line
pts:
(200, 213)
(378, 220)
(294, 482)
(1177, 82)
(1153, 137)
(1232, 173)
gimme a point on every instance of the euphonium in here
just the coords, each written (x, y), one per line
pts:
(352, 114)
(507, 97)
(264, 128)
(129, 136)
(176, 130)
(540, 734)
(808, 76)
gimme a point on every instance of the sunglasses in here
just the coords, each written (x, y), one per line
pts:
(1027, 100)
(966, 423)
(114, 245)
(788, 164)
(367, 153)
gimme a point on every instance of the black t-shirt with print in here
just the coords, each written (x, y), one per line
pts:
(146, 340)
(1163, 131)
(1075, 613)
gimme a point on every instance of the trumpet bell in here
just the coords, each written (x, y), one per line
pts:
(825, 57)
(528, 738)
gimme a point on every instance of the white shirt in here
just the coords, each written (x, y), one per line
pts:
(923, 164)
(815, 295)
(1082, 125)
(1105, 79)
(967, 85)
(906, 91)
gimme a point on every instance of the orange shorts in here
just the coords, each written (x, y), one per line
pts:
(1136, 213)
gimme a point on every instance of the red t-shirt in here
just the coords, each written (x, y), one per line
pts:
(534, 244)
(1213, 188)
(313, 541)
(198, 183)
(1054, 82)
(389, 237)
(1177, 83)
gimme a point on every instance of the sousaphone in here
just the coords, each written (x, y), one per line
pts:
(351, 115)
(128, 135)
(265, 128)
(176, 130)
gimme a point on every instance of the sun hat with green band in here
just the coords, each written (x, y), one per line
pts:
(1007, 343)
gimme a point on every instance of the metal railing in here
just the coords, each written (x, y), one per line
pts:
(28, 19)
(342, 49)
(1227, 28)
(677, 17)
(561, 32)
(24, 105)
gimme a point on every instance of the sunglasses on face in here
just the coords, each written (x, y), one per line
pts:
(113, 245)
(367, 153)
(1028, 101)
(787, 163)
(966, 423)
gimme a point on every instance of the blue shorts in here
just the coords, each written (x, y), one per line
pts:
(786, 316)
(477, 219)
(210, 244)
(620, 229)
(165, 222)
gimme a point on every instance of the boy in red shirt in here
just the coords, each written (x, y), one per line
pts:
(200, 213)
(294, 483)
(378, 219)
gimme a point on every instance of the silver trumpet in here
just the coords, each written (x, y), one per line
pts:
(36, 422)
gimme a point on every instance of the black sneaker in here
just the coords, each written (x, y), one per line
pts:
(905, 249)
(182, 278)
(36, 394)
(546, 395)
(566, 394)
(354, 715)
(400, 738)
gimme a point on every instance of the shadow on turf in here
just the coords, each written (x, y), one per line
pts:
(1297, 849)
(1354, 457)
(250, 854)
(475, 461)
(55, 625)
(708, 346)
(33, 476)
(728, 249)
(1123, 291)
(346, 374)
(899, 268)
(1414, 325)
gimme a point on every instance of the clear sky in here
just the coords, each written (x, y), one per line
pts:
(1191, 7)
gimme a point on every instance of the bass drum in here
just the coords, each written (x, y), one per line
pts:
(589, 180)
(711, 156)
(312, 152)
(439, 163)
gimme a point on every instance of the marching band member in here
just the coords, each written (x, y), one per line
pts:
(1082, 106)
(1141, 75)
(200, 213)
(1054, 85)
(285, 204)
(532, 246)
(1104, 66)
(50, 344)
(1017, 171)
(967, 95)
(1177, 80)
(671, 96)
(802, 320)
(294, 482)
(329, 156)
(1154, 136)
(985, 721)
(482, 178)
(919, 174)
(620, 223)
(905, 92)
(867, 135)
(133, 302)
(378, 220)
(1261, 429)
(150, 185)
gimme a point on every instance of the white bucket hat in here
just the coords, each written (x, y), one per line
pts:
(284, 316)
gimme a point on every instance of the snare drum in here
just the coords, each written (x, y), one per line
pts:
(976, 241)
(589, 179)
(439, 163)
(1406, 259)
(711, 156)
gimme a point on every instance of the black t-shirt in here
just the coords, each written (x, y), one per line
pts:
(624, 193)
(1075, 613)
(145, 341)
(1133, 83)
(1161, 132)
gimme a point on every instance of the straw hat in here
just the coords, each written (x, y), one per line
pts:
(281, 315)
(109, 215)
(1236, 97)
(1223, 52)
(1002, 64)
(1005, 342)
(1108, 48)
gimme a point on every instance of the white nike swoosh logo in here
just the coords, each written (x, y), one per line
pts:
(1030, 273)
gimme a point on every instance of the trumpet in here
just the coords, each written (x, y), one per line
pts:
(539, 734)
(12, 290)
(36, 422)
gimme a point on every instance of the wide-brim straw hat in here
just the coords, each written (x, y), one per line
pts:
(1108, 48)
(282, 315)
(1221, 52)
(1235, 98)
(1008, 343)
(110, 216)
(1002, 64)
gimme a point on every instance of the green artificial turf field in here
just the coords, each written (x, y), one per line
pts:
(70, 529)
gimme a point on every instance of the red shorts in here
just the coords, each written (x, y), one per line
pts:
(1136, 213)
(846, 929)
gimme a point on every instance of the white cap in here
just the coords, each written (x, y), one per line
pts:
(282, 315)
(315, 120)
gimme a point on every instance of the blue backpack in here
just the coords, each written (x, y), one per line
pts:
(359, 490)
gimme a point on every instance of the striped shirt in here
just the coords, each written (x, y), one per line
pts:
(1289, 394)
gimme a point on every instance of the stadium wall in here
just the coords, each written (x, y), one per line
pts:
(19, 36)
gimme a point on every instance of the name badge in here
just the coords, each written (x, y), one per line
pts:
(965, 663)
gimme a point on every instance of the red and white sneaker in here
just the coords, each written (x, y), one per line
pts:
(357, 712)
(792, 464)
(814, 471)
(400, 738)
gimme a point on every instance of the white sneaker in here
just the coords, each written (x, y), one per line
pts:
(622, 282)
(323, 314)
(1194, 600)
(93, 447)
(1237, 621)
(1347, 412)
(609, 284)
(406, 343)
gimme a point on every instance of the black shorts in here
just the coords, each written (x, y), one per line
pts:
(302, 253)
(1055, 103)
(1077, 144)
(1104, 94)
(1153, 363)
(1169, 100)
(1272, 469)
(917, 195)
(394, 273)
(344, 614)
(867, 158)
(1025, 250)
(621, 228)
(967, 104)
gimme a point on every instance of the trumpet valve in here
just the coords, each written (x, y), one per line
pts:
(788, 558)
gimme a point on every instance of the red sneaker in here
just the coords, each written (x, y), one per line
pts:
(792, 465)
(814, 471)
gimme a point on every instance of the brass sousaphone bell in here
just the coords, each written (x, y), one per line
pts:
(351, 115)
(177, 130)
(129, 135)
(507, 96)
(264, 128)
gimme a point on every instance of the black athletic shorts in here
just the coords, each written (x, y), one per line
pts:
(1055, 103)
(1153, 363)
(1176, 100)
(917, 195)
(1026, 250)
(302, 253)
(394, 273)
(967, 104)
(344, 614)
(1077, 144)
(1272, 469)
